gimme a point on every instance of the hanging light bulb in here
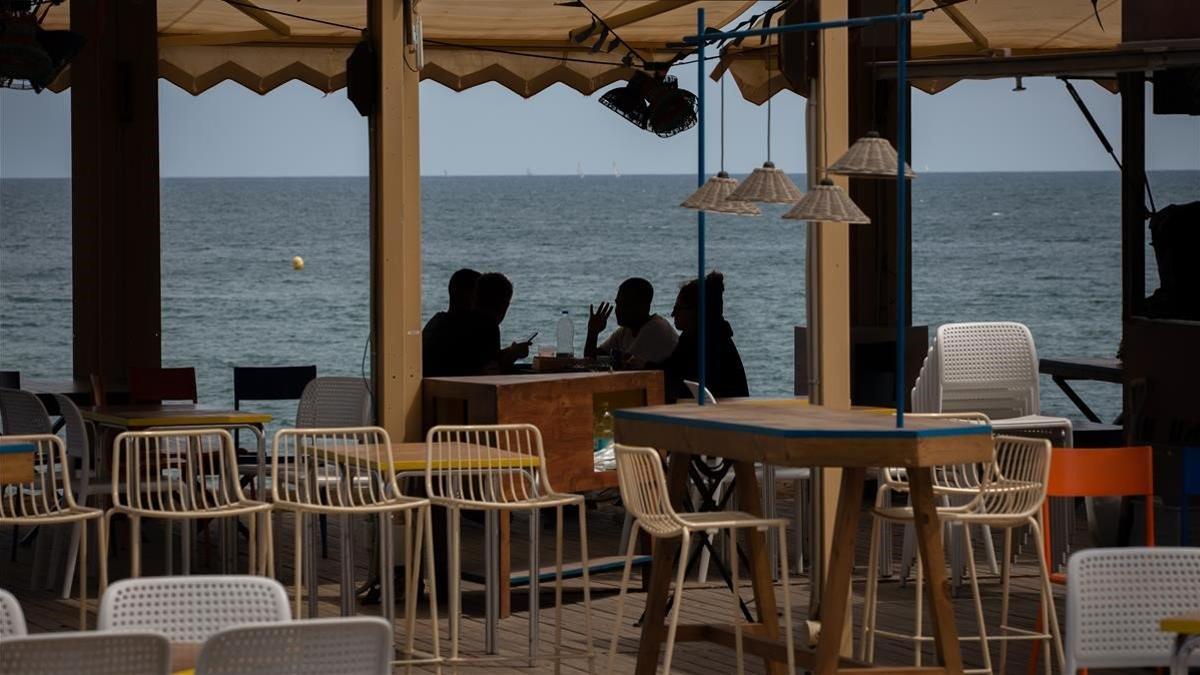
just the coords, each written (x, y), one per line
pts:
(713, 196)
(828, 203)
(871, 156)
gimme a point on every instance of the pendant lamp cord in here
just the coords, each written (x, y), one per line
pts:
(768, 122)
(824, 91)
(722, 124)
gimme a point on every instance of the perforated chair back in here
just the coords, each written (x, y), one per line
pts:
(22, 413)
(92, 653)
(485, 465)
(335, 469)
(155, 385)
(41, 488)
(1116, 598)
(644, 490)
(177, 472)
(987, 367)
(348, 646)
(12, 619)
(334, 402)
(193, 608)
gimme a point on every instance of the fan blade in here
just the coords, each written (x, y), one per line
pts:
(573, 3)
(1096, 11)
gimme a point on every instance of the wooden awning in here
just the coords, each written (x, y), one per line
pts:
(976, 29)
(524, 45)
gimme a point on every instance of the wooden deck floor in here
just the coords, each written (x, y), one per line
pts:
(45, 612)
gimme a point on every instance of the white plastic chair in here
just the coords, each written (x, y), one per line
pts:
(46, 499)
(1116, 598)
(333, 402)
(191, 609)
(12, 619)
(348, 472)
(91, 653)
(989, 368)
(187, 474)
(769, 478)
(644, 491)
(471, 468)
(347, 646)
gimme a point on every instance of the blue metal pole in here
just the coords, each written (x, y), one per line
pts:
(703, 344)
(902, 37)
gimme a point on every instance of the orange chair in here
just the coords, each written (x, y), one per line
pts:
(155, 385)
(1096, 472)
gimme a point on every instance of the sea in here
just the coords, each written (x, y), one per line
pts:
(1039, 248)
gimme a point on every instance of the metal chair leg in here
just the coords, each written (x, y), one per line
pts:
(621, 592)
(587, 592)
(674, 625)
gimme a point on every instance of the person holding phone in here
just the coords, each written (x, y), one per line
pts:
(493, 294)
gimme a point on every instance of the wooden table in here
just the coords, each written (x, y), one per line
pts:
(1187, 639)
(793, 433)
(1066, 368)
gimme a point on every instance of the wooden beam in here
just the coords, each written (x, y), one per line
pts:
(395, 225)
(1133, 193)
(115, 253)
(964, 24)
(214, 39)
(263, 17)
(639, 13)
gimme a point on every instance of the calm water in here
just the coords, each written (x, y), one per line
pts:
(1042, 249)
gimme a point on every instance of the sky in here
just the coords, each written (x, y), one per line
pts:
(296, 130)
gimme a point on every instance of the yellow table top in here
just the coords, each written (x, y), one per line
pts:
(141, 416)
(411, 457)
(1188, 624)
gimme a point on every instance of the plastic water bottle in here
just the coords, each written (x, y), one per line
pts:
(566, 335)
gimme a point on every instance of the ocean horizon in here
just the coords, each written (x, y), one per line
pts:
(1042, 248)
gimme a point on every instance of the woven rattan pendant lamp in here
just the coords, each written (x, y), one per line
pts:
(712, 197)
(767, 183)
(871, 156)
(827, 202)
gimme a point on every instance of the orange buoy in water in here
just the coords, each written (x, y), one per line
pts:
(297, 263)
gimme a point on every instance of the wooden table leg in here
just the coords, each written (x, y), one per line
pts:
(661, 571)
(835, 598)
(749, 500)
(929, 543)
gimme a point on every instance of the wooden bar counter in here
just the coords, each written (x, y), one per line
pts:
(563, 406)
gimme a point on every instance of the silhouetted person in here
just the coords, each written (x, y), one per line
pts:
(725, 375)
(640, 335)
(449, 340)
(493, 293)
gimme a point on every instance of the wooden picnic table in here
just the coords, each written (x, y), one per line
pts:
(790, 432)
(133, 417)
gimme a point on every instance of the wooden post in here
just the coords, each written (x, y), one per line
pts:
(1133, 192)
(829, 275)
(115, 254)
(396, 224)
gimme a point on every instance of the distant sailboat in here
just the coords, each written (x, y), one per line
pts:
(528, 172)
(616, 173)
(579, 168)
(445, 173)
